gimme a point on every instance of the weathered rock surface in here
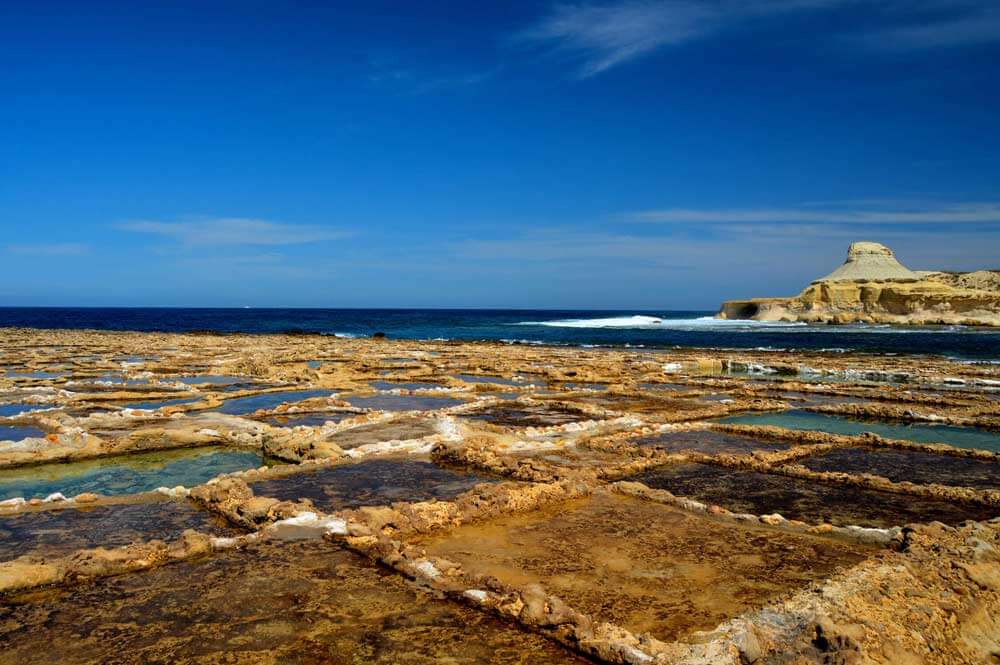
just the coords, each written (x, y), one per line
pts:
(872, 287)
(246, 589)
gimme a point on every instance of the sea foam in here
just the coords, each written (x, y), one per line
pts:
(640, 321)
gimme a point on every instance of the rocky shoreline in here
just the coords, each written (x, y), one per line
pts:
(546, 504)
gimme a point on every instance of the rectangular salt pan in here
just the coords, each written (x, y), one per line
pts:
(959, 437)
(125, 474)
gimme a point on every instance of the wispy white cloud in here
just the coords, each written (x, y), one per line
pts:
(607, 35)
(603, 35)
(728, 261)
(234, 231)
(53, 249)
(967, 213)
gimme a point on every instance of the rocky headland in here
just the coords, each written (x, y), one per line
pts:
(873, 287)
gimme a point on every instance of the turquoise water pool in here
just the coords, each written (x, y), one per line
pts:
(960, 437)
(126, 474)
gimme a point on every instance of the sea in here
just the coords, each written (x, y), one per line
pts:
(581, 328)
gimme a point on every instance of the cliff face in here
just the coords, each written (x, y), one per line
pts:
(872, 287)
(982, 280)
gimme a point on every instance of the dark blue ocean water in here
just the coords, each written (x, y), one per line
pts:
(655, 329)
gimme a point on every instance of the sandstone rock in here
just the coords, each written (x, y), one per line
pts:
(872, 286)
(869, 262)
(256, 509)
(191, 544)
(748, 644)
(25, 573)
(840, 643)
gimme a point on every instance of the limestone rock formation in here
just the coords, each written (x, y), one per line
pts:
(870, 262)
(873, 287)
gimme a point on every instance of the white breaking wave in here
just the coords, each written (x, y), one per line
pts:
(709, 323)
(613, 322)
(639, 321)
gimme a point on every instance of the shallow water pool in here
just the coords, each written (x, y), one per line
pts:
(905, 465)
(371, 483)
(244, 405)
(14, 374)
(709, 442)
(402, 402)
(126, 474)
(806, 500)
(57, 532)
(19, 432)
(960, 437)
(8, 410)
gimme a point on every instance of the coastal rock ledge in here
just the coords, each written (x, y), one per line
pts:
(873, 287)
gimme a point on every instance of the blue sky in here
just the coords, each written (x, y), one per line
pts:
(638, 154)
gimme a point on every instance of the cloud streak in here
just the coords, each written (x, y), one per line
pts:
(725, 262)
(969, 213)
(607, 35)
(602, 36)
(233, 231)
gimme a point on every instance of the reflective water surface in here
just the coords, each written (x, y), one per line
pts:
(915, 467)
(709, 442)
(960, 437)
(57, 532)
(8, 410)
(126, 474)
(806, 500)
(402, 402)
(243, 405)
(370, 483)
(18, 432)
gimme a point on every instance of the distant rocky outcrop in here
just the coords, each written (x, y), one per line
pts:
(873, 287)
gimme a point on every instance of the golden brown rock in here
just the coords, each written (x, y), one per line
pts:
(869, 288)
